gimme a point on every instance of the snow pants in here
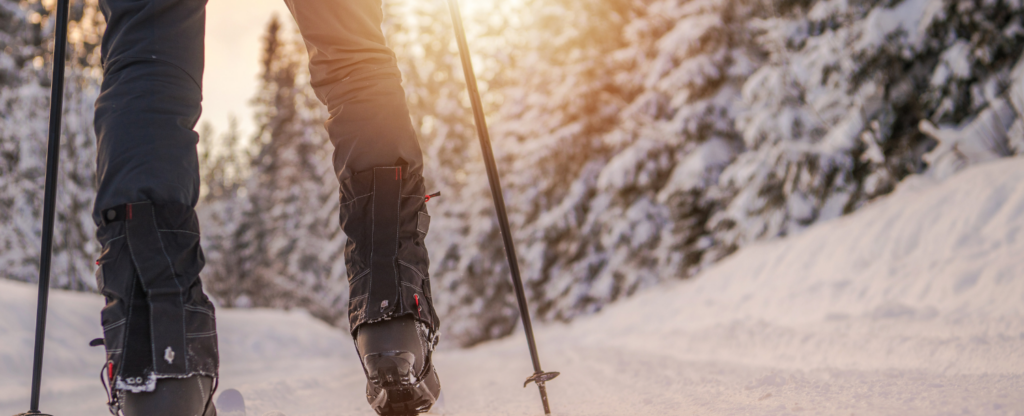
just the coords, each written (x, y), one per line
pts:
(157, 322)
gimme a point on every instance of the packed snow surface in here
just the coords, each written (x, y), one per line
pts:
(913, 305)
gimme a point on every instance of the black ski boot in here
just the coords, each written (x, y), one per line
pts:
(395, 353)
(173, 397)
(391, 313)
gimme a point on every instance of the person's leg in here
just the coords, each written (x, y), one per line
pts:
(379, 164)
(355, 74)
(158, 324)
(149, 102)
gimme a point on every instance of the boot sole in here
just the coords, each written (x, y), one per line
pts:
(395, 394)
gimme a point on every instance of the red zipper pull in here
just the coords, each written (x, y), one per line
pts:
(419, 310)
(433, 195)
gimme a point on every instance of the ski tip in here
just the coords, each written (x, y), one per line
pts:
(230, 403)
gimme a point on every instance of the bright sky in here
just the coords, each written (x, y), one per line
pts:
(234, 29)
(233, 34)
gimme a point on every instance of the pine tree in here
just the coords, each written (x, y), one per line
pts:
(545, 107)
(421, 35)
(639, 217)
(832, 119)
(26, 36)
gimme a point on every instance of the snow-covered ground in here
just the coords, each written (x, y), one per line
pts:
(913, 305)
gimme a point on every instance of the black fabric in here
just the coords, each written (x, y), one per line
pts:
(138, 359)
(164, 290)
(384, 283)
(385, 254)
(149, 102)
(157, 321)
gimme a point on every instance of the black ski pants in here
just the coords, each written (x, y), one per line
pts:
(158, 323)
(152, 89)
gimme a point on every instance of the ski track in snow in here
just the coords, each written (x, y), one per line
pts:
(911, 306)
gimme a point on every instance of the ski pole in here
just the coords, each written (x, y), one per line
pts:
(49, 197)
(539, 376)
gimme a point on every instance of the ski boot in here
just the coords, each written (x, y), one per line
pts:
(172, 397)
(395, 353)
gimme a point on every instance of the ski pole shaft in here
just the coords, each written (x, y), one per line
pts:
(539, 376)
(49, 196)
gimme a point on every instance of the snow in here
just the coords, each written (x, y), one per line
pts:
(955, 61)
(910, 18)
(692, 173)
(983, 139)
(911, 305)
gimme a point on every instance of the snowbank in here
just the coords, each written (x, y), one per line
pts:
(913, 305)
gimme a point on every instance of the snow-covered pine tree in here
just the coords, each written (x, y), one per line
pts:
(832, 118)
(26, 36)
(639, 216)
(641, 141)
(556, 90)
(284, 246)
(580, 83)
(421, 35)
(646, 140)
(223, 165)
